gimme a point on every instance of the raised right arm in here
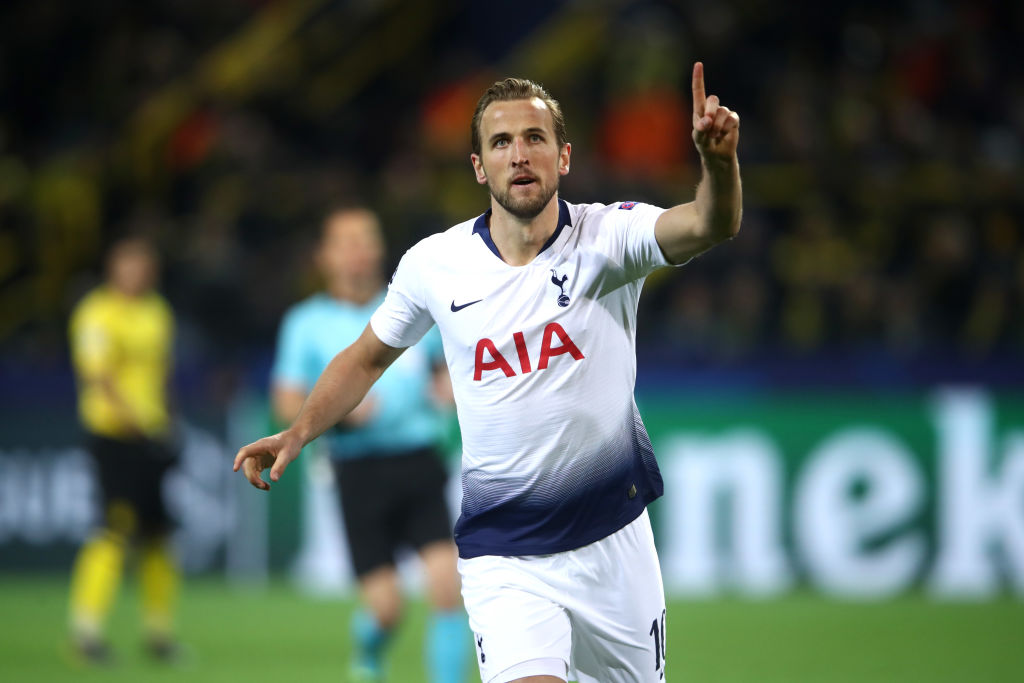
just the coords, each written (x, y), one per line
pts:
(342, 385)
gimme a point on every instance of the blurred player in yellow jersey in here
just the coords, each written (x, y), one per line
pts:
(121, 335)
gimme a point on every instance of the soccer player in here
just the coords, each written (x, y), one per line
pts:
(536, 304)
(121, 335)
(390, 477)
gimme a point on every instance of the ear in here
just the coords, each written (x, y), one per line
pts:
(478, 168)
(563, 159)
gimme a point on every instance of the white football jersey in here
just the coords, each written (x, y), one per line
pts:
(543, 363)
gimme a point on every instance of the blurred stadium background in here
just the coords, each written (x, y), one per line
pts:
(835, 397)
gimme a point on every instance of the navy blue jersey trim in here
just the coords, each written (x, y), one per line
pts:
(497, 542)
(468, 549)
(482, 227)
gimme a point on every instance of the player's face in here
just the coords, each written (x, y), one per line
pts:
(520, 160)
(133, 271)
(351, 246)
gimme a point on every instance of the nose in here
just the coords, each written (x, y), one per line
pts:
(519, 152)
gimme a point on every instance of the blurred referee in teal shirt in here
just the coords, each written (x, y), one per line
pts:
(389, 474)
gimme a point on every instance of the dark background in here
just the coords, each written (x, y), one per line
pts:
(881, 148)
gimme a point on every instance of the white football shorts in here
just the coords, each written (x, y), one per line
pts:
(595, 614)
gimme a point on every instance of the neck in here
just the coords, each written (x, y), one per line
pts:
(359, 292)
(127, 292)
(520, 240)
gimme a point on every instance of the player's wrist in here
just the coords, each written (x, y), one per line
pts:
(717, 164)
(295, 436)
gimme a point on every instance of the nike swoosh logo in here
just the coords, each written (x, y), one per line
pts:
(456, 309)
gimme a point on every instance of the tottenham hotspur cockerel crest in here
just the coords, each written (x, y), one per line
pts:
(563, 298)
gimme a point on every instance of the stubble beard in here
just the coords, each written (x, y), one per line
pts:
(523, 208)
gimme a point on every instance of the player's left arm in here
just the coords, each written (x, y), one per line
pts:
(341, 386)
(714, 216)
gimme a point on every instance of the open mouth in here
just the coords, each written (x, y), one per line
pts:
(523, 181)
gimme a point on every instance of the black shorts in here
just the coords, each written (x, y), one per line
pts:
(389, 501)
(132, 473)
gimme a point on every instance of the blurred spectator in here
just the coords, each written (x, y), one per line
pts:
(645, 125)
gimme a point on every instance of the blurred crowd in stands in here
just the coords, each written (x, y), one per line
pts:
(881, 149)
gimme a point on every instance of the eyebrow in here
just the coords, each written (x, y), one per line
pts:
(529, 131)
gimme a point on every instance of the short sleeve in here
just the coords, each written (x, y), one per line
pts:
(403, 318)
(290, 356)
(633, 225)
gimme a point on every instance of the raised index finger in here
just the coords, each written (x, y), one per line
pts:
(698, 89)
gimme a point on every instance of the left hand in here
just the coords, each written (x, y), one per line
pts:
(274, 452)
(716, 129)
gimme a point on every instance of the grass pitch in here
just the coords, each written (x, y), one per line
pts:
(279, 635)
